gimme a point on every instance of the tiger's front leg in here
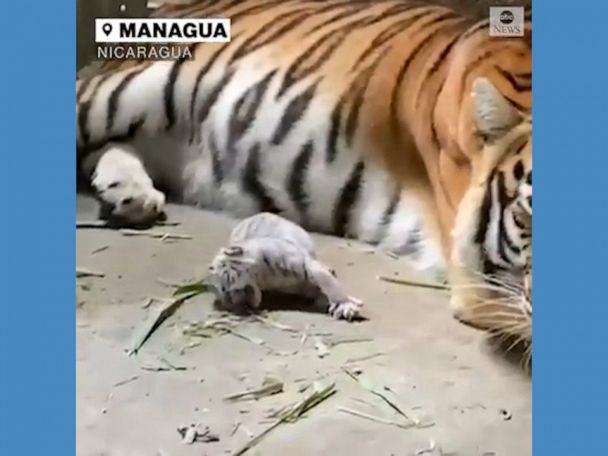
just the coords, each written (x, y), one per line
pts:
(124, 188)
(469, 289)
(340, 305)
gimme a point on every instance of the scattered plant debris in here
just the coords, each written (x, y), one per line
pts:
(413, 283)
(100, 249)
(235, 428)
(83, 272)
(364, 358)
(102, 224)
(163, 236)
(270, 386)
(275, 324)
(194, 288)
(375, 418)
(351, 340)
(156, 317)
(292, 414)
(321, 347)
(124, 382)
(379, 392)
(505, 414)
(192, 434)
(162, 366)
(433, 449)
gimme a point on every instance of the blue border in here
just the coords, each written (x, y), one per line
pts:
(37, 228)
(37, 347)
(570, 228)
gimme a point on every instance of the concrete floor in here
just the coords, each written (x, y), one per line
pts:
(439, 370)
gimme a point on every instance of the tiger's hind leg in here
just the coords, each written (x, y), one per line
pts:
(123, 186)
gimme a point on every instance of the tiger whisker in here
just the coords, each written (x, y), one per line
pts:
(518, 340)
(485, 287)
(512, 336)
(502, 281)
(515, 307)
(514, 326)
(504, 320)
(494, 282)
(527, 361)
(497, 324)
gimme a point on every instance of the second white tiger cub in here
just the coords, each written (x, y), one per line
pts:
(269, 253)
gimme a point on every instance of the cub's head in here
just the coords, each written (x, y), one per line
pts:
(493, 233)
(231, 279)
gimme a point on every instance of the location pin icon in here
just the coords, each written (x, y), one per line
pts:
(107, 28)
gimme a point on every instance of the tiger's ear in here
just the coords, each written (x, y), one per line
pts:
(233, 251)
(236, 255)
(492, 113)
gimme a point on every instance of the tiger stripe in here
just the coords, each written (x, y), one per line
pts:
(216, 161)
(245, 109)
(169, 100)
(267, 34)
(389, 33)
(347, 199)
(213, 95)
(295, 110)
(197, 83)
(352, 117)
(296, 181)
(114, 98)
(253, 185)
(309, 61)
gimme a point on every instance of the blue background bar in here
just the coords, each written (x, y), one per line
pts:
(37, 228)
(570, 227)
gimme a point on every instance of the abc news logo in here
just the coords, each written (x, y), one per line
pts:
(507, 21)
(506, 17)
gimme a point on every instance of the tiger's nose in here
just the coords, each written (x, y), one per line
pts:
(106, 210)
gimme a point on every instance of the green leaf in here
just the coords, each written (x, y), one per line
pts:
(195, 288)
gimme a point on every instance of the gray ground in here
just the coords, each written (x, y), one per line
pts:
(438, 370)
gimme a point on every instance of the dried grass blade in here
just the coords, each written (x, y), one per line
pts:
(375, 418)
(291, 415)
(195, 288)
(354, 340)
(413, 283)
(378, 393)
(269, 387)
(83, 272)
(275, 324)
(155, 318)
(154, 234)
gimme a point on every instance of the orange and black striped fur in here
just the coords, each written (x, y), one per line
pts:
(400, 123)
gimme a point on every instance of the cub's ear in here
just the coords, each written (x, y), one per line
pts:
(233, 251)
(492, 113)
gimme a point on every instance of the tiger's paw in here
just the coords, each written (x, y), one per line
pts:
(348, 310)
(128, 198)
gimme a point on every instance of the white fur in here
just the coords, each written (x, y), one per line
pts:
(121, 180)
(269, 253)
(493, 115)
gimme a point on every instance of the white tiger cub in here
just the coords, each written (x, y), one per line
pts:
(269, 253)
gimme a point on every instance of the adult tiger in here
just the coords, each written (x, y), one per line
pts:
(400, 123)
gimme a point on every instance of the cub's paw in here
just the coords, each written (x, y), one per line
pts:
(348, 309)
(128, 199)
